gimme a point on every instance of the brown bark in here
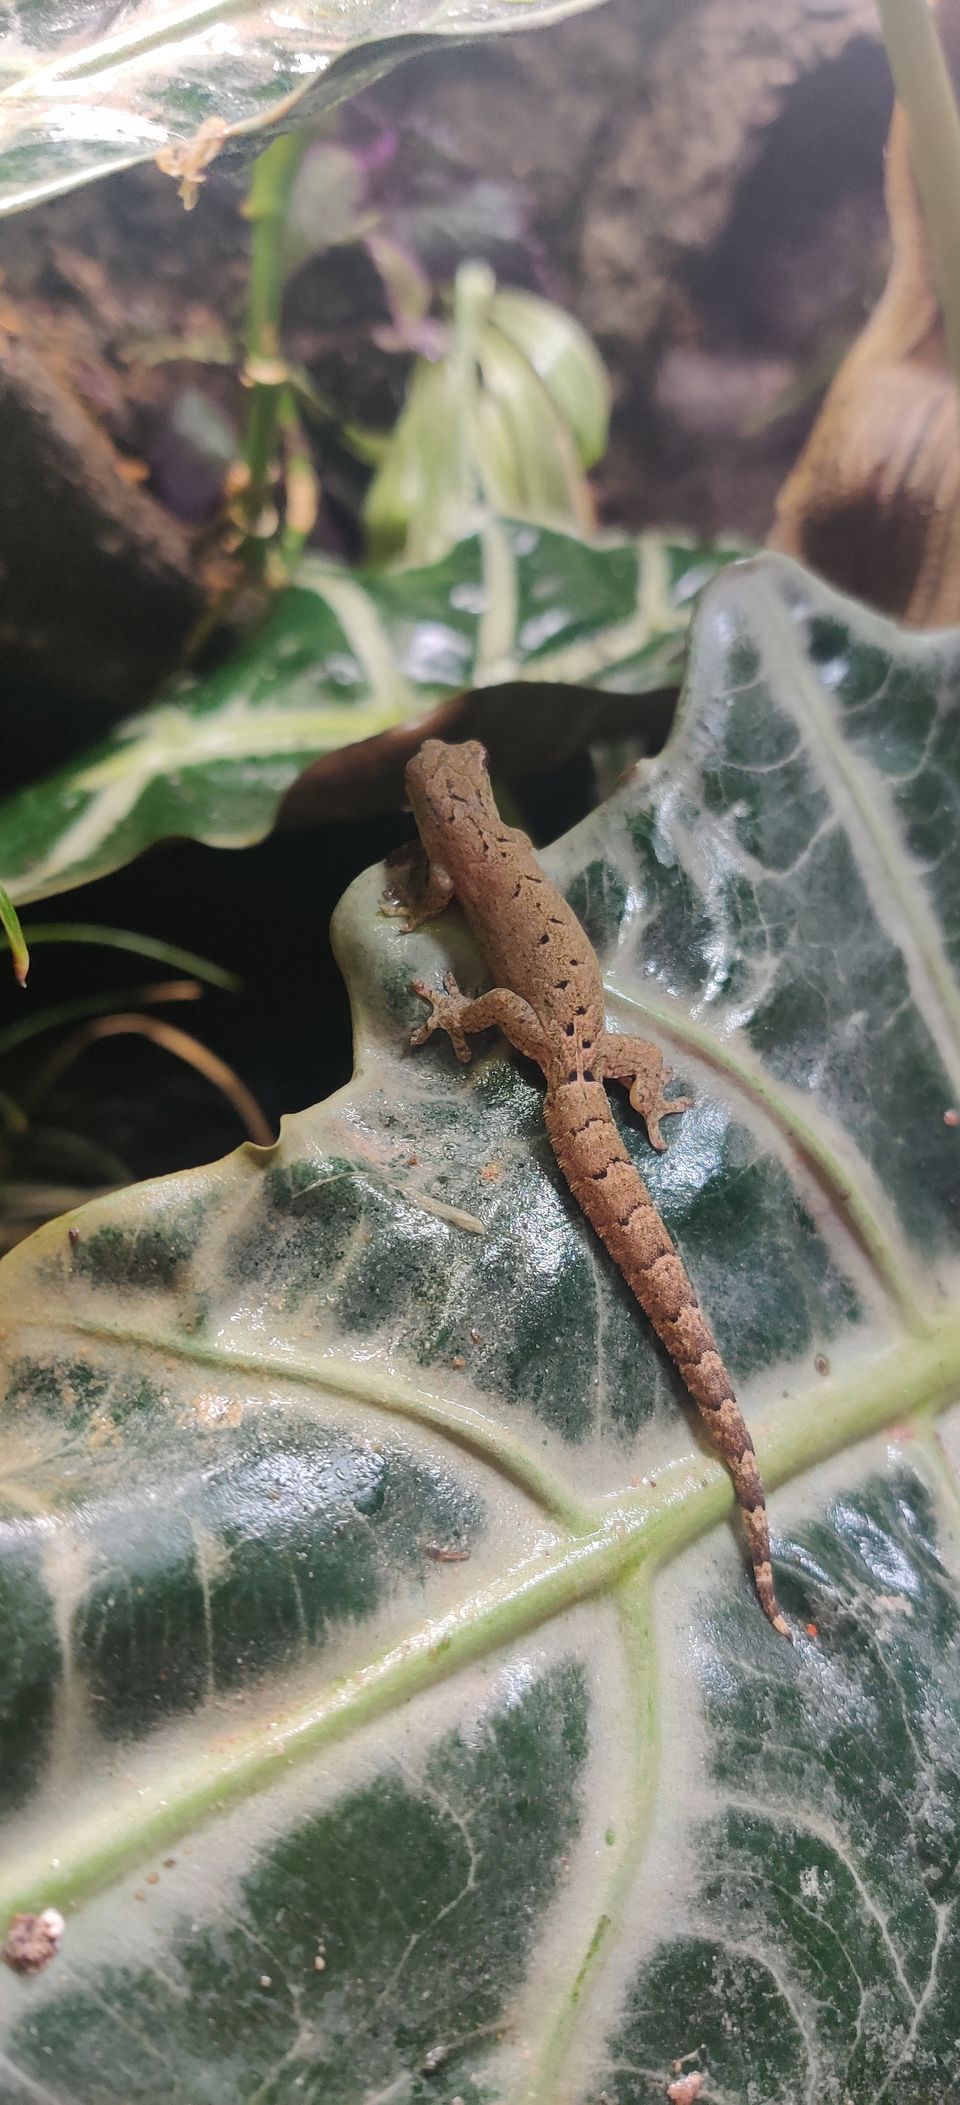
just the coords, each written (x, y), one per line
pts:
(97, 586)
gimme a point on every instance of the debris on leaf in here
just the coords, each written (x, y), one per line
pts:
(187, 161)
(686, 2090)
(32, 1941)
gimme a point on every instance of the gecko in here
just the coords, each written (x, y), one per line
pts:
(548, 1001)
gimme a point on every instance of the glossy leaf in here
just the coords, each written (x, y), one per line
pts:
(341, 658)
(84, 92)
(387, 1706)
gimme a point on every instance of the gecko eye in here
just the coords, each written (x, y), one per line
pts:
(568, 1027)
(544, 939)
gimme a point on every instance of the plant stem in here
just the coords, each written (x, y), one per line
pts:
(925, 92)
(302, 489)
(266, 208)
(473, 292)
(10, 925)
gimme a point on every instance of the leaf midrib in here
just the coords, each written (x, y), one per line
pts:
(643, 1527)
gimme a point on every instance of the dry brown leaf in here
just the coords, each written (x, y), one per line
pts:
(184, 1047)
(517, 722)
(873, 502)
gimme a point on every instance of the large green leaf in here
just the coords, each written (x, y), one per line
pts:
(560, 1809)
(86, 91)
(341, 658)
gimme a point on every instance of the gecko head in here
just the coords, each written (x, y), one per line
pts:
(440, 778)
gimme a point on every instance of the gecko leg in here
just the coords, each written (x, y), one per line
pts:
(636, 1061)
(462, 1017)
(418, 890)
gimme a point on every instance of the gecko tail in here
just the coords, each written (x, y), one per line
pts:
(619, 1207)
(713, 1393)
(766, 1594)
(749, 1490)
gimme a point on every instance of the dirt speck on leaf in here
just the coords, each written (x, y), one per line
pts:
(32, 1941)
(686, 2090)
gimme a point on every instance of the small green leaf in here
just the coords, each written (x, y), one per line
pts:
(424, 487)
(568, 364)
(535, 471)
(505, 419)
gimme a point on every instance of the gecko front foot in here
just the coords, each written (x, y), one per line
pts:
(446, 1013)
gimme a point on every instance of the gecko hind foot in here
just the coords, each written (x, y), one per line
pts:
(652, 1105)
(446, 1010)
(639, 1064)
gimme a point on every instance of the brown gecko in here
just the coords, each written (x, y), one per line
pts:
(548, 1001)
